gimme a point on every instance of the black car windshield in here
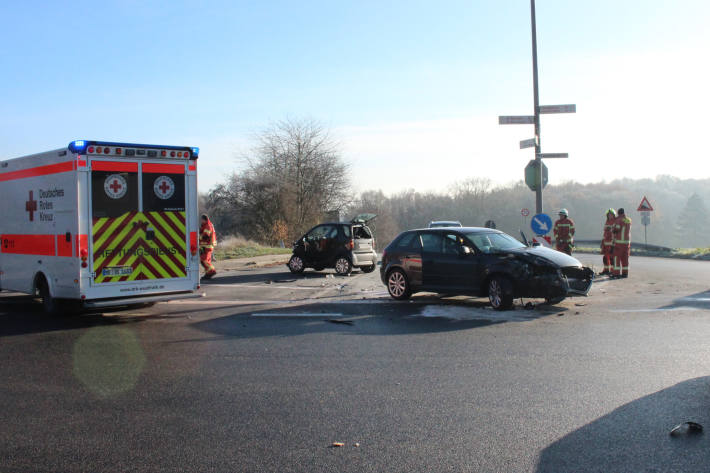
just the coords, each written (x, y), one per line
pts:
(493, 242)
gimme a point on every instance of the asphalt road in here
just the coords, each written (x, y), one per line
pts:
(262, 375)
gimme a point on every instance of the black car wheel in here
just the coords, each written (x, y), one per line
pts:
(296, 265)
(368, 269)
(397, 285)
(500, 293)
(343, 266)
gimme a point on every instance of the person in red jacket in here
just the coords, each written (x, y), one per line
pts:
(208, 239)
(564, 233)
(607, 245)
(622, 245)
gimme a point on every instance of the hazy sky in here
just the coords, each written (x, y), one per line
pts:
(411, 89)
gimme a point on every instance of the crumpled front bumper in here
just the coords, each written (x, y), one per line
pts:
(579, 280)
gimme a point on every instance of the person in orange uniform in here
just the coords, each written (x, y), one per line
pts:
(607, 245)
(622, 245)
(564, 233)
(208, 239)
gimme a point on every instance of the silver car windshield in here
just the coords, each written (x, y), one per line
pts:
(493, 242)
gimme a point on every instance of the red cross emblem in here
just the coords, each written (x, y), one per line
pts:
(164, 187)
(31, 206)
(115, 186)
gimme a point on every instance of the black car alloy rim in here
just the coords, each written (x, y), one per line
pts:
(396, 284)
(494, 293)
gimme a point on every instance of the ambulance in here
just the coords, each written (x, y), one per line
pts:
(100, 223)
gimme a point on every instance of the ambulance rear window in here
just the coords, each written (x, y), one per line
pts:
(113, 193)
(163, 192)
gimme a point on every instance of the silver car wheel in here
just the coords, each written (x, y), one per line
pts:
(494, 293)
(296, 264)
(342, 266)
(396, 284)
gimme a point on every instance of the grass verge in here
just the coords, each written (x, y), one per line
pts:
(233, 247)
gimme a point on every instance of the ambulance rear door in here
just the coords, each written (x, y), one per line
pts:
(138, 225)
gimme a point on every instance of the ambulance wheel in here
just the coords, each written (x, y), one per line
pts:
(49, 303)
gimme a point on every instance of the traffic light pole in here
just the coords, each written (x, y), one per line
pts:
(536, 100)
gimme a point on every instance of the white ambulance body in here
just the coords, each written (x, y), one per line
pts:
(99, 222)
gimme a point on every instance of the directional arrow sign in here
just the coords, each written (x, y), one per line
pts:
(516, 120)
(541, 224)
(528, 143)
(551, 155)
(567, 108)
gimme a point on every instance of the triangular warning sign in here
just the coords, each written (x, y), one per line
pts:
(645, 205)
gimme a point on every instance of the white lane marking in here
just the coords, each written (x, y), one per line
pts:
(669, 309)
(298, 314)
(263, 286)
(194, 302)
(696, 299)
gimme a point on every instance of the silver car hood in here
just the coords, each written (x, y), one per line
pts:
(560, 259)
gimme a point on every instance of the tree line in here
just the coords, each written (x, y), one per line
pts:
(296, 177)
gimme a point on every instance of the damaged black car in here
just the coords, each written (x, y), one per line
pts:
(480, 262)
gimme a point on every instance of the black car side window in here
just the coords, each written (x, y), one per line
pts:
(431, 242)
(410, 241)
(451, 244)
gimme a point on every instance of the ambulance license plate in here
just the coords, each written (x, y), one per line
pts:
(117, 271)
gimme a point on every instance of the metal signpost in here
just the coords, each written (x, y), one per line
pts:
(541, 177)
(645, 208)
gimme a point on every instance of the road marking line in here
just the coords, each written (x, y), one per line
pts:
(298, 314)
(262, 286)
(669, 309)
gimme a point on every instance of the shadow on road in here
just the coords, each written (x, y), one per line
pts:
(274, 275)
(700, 300)
(20, 315)
(367, 317)
(635, 437)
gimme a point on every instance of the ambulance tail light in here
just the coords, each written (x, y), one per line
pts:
(193, 249)
(84, 255)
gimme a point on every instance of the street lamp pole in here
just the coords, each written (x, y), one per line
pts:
(536, 100)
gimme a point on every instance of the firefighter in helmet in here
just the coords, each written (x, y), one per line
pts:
(208, 240)
(564, 232)
(607, 245)
(622, 245)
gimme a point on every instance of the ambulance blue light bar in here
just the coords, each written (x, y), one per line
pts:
(90, 147)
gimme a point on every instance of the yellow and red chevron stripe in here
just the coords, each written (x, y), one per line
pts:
(152, 244)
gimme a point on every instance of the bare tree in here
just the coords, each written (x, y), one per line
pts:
(295, 174)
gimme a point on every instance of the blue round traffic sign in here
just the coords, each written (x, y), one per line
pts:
(541, 224)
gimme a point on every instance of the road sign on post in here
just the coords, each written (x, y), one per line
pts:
(645, 206)
(528, 143)
(541, 224)
(516, 120)
(567, 108)
(552, 155)
(535, 120)
(532, 174)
